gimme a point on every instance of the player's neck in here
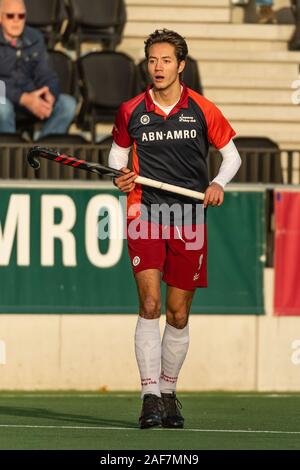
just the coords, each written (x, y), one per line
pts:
(167, 96)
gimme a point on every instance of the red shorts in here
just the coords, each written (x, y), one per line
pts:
(180, 253)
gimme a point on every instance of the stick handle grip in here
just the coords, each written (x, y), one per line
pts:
(169, 187)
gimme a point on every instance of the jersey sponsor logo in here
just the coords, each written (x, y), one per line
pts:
(169, 135)
(183, 118)
(136, 261)
(145, 119)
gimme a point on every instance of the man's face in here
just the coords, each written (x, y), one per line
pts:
(163, 65)
(13, 17)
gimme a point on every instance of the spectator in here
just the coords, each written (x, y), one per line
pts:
(266, 12)
(32, 87)
(294, 43)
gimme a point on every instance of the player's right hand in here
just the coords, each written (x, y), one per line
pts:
(126, 183)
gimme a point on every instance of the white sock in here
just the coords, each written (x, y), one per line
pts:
(148, 354)
(175, 346)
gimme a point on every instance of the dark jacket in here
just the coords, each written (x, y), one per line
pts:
(25, 68)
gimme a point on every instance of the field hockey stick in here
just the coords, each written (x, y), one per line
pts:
(54, 155)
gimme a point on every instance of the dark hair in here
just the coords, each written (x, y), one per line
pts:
(171, 37)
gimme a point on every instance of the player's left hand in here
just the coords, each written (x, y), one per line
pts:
(214, 195)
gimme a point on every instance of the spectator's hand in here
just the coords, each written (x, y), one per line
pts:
(126, 183)
(49, 98)
(36, 104)
(214, 195)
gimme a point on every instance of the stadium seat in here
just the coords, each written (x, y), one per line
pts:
(191, 75)
(102, 21)
(65, 70)
(261, 160)
(106, 79)
(8, 138)
(63, 139)
(285, 15)
(47, 16)
(294, 43)
(25, 124)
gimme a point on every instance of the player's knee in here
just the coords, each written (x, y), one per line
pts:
(150, 307)
(66, 105)
(177, 319)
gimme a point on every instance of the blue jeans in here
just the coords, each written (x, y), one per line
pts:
(264, 2)
(58, 123)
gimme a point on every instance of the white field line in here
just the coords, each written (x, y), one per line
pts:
(123, 395)
(115, 428)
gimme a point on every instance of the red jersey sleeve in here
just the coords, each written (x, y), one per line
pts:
(120, 129)
(219, 130)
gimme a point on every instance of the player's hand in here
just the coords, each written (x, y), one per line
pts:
(214, 195)
(126, 183)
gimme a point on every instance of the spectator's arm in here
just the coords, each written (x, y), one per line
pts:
(43, 74)
(14, 94)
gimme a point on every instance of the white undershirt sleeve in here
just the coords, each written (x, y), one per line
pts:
(118, 156)
(230, 164)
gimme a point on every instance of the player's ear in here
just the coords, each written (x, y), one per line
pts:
(181, 66)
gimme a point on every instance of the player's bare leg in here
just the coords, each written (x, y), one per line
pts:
(175, 345)
(148, 285)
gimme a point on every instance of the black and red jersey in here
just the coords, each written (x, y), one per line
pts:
(171, 148)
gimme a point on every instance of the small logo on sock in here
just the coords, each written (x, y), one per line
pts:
(136, 261)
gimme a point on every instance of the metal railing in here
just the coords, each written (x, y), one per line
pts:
(258, 165)
(13, 162)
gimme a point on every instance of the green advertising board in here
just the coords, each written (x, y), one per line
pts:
(52, 260)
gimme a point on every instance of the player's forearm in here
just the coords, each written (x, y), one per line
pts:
(230, 164)
(118, 156)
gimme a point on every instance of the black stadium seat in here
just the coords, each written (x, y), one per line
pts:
(63, 139)
(191, 75)
(261, 160)
(106, 79)
(66, 71)
(95, 21)
(47, 16)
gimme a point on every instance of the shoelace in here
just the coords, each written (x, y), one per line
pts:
(178, 403)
